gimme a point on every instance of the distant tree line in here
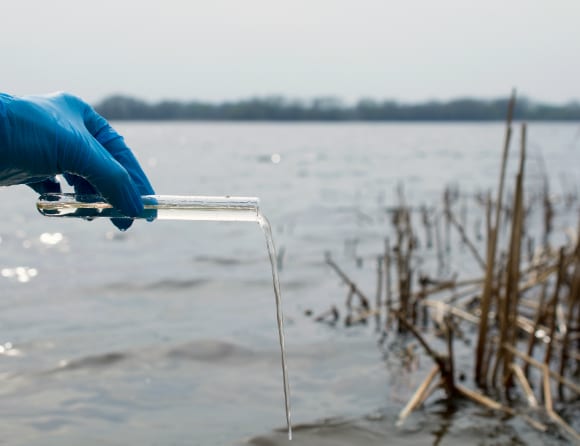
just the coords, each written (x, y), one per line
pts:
(331, 109)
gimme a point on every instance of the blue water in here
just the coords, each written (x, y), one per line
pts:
(166, 334)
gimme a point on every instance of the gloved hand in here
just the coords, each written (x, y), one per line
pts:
(43, 136)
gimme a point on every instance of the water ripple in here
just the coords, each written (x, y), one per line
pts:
(210, 350)
(92, 362)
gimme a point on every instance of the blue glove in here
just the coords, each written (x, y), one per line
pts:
(43, 136)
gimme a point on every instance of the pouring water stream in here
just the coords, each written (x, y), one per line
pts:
(190, 208)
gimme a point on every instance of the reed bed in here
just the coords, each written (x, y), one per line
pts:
(524, 306)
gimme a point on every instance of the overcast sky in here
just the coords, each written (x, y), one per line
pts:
(406, 50)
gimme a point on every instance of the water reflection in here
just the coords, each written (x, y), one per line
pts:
(51, 239)
(21, 274)
(276, 158)
(7, 349)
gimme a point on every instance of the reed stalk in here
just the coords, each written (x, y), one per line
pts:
(480, 364)
(465, 239)
(379, 294)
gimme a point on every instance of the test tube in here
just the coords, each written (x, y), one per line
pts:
(156, 207)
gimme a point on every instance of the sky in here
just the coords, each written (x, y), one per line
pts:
(219, 50)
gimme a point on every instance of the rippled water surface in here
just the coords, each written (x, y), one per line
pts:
(166, 334)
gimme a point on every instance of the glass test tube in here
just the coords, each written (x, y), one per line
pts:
(156, 207)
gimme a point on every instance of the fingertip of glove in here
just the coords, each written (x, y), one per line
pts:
(122, 224)
(127, 199)
(132, 207)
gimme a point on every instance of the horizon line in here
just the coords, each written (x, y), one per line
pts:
(339, 101)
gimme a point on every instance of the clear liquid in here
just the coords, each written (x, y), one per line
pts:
(265, 225)
(190, 208)
(156, 207)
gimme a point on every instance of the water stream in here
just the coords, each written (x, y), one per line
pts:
(189, 208)
(265, 225)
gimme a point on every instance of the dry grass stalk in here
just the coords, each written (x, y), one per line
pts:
(560, 422)
(444, 363)
(426, 395)
(483, 400)
(439, 246)
(470, 292)
(494, 405)
(541, 366)
(428, 226)
(525, 385)
(508, 301)
(552, 305)
(512, 287)
(378, 303)
(354, 289)
(404, 249)
(539, 316)
(547, 390)
(388, 284)
(418, 397)
(446, 308)
(421, 296)
(550, 407)
(447, 213)
(451, 218)
(480, 364)
(573, 302)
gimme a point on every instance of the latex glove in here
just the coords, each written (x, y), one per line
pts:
(43, 136)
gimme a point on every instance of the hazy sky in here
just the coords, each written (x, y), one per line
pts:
(407, 50)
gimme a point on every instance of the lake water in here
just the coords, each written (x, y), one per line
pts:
(166, 334)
